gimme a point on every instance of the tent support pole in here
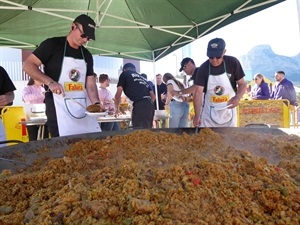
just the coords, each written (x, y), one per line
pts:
(155, 84)
(298, 11)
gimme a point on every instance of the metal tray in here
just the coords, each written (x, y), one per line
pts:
(27, 153)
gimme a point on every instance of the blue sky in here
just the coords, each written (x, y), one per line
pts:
(277, 26)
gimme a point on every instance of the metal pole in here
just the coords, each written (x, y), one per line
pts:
(176, 65)
(155, 83)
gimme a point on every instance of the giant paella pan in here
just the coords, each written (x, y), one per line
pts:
(159, 176)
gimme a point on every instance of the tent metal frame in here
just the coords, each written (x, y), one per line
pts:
(101, 13)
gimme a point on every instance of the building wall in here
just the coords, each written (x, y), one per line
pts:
(12, 59)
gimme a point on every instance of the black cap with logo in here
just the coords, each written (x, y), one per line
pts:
(184, 62)
(88, 25)
(215, 47)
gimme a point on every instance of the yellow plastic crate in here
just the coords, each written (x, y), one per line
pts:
(272, 112)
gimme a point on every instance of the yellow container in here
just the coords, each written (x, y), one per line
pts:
(11, 118)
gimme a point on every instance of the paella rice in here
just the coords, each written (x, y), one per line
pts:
(159, 178)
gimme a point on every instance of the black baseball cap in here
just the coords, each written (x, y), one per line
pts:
(184, 62)
(128, 65)
(144, 75)
(215, 47)
(88, 25)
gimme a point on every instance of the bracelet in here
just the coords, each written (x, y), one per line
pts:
(97, 103)
(51, 82)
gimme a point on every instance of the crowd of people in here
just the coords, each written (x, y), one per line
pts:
(283, 89)
(218, 85)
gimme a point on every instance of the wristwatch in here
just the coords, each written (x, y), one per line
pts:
(180, 92)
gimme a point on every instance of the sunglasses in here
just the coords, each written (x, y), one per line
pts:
(83, 35)
(215, 57)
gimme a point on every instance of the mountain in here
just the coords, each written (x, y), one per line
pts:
(262, 59)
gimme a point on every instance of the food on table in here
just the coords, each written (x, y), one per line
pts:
(125, 108)
(95, 108)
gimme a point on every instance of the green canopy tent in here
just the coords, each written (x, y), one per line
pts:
(138, 29)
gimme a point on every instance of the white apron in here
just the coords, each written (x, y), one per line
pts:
(218, 92)
(71, 117)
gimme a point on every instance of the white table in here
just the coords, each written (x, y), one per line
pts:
(159, 119)
(126, 119)
(113, 119)
(37, 122)
(41, 123)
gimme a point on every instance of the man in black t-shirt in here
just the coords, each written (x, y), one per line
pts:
(6, 97)
(7, 89)
(137, 89)
(68, 75)
(221, 78)
(161, 92)
(188, 66)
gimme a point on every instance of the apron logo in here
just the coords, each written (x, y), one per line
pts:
(219, 99)
(69, 86)
(74, 75)
(218, 90)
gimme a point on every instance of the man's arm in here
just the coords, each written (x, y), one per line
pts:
(242, 86)
(31, 67)
(197, 101)
(7, 98)
(152, 95)
(292, 93)
(118, 98)
(91, 90)
(188, 90)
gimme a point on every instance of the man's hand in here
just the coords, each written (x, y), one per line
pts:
(6, 99)
(56, 88)
(197, 121)
(234, 101)
(3, 100)
(117, 112)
